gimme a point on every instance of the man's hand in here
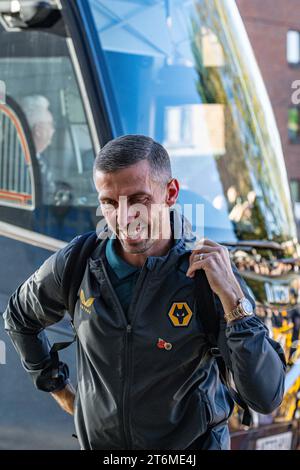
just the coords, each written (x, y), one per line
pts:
(65, 398)
(215, 261)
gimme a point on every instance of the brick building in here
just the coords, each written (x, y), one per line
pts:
(273, 27)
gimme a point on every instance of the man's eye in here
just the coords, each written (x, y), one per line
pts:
(107, 203)
(141, 201)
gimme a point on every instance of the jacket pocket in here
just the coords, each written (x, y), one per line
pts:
(219, 404)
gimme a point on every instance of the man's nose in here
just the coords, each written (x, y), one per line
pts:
(126, 216)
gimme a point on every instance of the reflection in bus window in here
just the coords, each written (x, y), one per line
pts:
(186, 84)
(39, 76)
(40, 119)
(44, 86)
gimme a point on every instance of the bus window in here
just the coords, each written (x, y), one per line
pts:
(38, 74)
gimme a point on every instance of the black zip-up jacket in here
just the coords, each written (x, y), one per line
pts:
(149, 384)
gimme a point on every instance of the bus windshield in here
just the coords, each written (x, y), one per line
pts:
(183, 72)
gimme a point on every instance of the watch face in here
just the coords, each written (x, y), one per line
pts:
(247, 306)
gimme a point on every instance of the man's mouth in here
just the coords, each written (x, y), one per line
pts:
(133, 233)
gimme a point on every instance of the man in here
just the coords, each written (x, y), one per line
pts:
(145, 380)
(40, 120)
(41, 123)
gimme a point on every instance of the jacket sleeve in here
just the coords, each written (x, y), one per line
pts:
(35, 305)
(256, 361)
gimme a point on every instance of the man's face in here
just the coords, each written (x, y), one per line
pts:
(133, 204)
(43, 132)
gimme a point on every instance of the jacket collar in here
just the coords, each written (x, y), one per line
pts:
(121, 268)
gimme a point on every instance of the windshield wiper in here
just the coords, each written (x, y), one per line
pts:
(256, 244)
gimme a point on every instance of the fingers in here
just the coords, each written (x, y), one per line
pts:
(206, 250)
(65, 398)
(199, 257)
(203, 250)
(208, 261)
(207, 255)
(207, 242)
(208, 246)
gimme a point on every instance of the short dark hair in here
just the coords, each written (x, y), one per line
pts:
(127, 150)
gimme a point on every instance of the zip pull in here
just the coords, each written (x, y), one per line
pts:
(129, 329)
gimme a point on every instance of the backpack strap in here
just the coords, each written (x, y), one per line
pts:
(75, 267)
(205, 301)
(71, 279)
(206, 309)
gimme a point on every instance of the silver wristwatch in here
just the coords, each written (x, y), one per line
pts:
(243, 309)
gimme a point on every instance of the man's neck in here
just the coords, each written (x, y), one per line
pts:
(159, 248)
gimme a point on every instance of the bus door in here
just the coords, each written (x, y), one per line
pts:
(48, 140)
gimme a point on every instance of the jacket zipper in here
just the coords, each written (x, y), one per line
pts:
(127, 444)
(127, 365)
(126, 424)
(136, 292)
(128, 356)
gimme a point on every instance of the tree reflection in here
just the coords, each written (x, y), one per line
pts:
(246, 166)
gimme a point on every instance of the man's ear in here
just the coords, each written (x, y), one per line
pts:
(172, 192)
